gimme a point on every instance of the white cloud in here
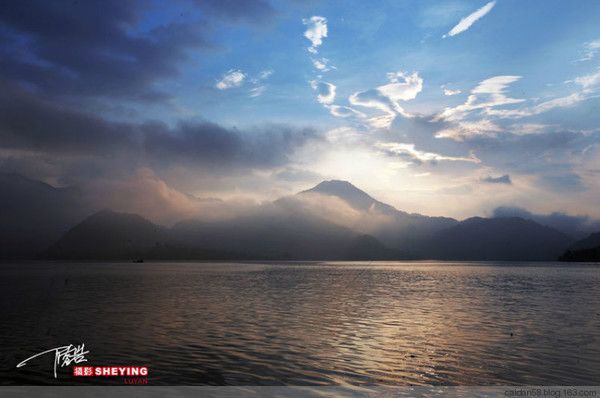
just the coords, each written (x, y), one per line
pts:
(231, 78)
(451, 92)
(466, 22)
(402, 90)
(529, 128)
(488, 94)
(326, 91)
(345, 111)
(414, 156)
(466, 130)
(321, 64)
(590, 50)
(588, 80)
(315, 32)
(257, 91)
(561, 102)
(402, 87)
(263, 75)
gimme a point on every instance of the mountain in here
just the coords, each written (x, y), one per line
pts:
(34, 214)
(505, 239)
(355, 197)
(280, 231)
(331, 221)
(587, 249)
(109, 235)
(396, 229)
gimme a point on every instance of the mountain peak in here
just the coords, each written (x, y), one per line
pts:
(344, 190)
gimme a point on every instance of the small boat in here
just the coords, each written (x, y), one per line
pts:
(141, 260)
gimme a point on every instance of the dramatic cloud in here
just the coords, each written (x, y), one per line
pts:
(326, 91)
(231, 78)
(402, 87)
(30, 124)
(254, 12)
(505, 179)
(466, 22)
(89, 48)
(315, 32)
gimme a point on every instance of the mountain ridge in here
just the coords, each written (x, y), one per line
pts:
(305, 226)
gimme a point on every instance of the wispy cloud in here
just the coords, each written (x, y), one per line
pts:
(326, 91)
(257, 91)
(529, 128)
(488, 94)
(259, 88)
(561, 102)
(413, 156)
(345, 111)
(588, 80)
(315, 32)
(466, 22)
(231, 78)
(505, 179)
(466, 130)
(590, 49)
(386, 98)
(263, 75)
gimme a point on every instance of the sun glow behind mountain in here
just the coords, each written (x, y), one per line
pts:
(167, 109)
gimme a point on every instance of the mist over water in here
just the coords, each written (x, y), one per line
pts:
(307, 323)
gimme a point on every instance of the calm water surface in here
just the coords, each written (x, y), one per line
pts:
(307, 323)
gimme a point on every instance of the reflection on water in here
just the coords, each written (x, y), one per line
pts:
(307, 323)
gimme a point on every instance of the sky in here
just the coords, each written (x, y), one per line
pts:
(453, 108)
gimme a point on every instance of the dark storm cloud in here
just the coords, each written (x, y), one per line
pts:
(255, 12)
(30, 124)
(209, 143)
(91, 48)
(577, 226)
(505, 179)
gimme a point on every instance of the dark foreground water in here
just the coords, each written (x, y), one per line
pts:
(306, 323)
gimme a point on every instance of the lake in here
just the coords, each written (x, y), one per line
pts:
(331, 323)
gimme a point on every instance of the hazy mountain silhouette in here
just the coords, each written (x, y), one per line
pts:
(587, 249)
(280, 232)
(33, 215)
(111, 235)
(507, 239)
(332, 221)
(395, 228)
(355, 197)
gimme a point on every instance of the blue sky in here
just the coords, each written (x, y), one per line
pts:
(440, 107)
